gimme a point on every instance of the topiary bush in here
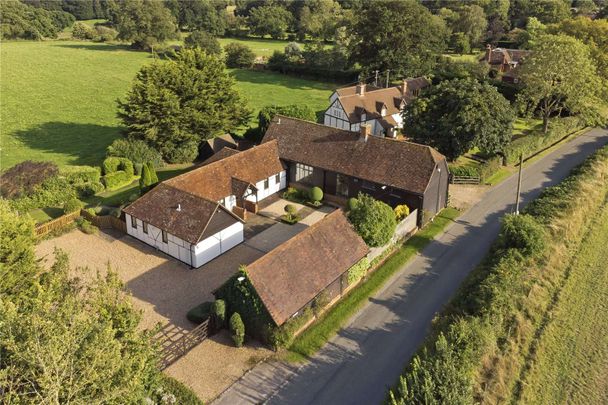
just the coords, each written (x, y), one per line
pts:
(72, 205)
(316, 195)
(219, 313)
(373, 220)
(522, 232)
(291, 216)
(127, 166)
(199, 313)
(110, 165)
(116, 180)
(294, 194)
(238, 329)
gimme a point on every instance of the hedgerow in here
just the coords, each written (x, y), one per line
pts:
(481, 342)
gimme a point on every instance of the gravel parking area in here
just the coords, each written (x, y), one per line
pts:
(464, 196)
(162, 287)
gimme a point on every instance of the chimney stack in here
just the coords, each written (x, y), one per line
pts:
(404, 87)
(179, 207)
(360, 89)
(488, 53)
(365, 132)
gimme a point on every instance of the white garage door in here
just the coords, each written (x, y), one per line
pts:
(215, 245)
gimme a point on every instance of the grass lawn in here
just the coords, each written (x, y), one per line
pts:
(571, 360)
(259, 46)
(58, 98)
(42, 215)
(313, 338)
(526, 126)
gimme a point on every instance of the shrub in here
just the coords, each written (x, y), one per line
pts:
(183, 153)
(136, 150)
(219, 313)
(282, 336)
(291, 210)
(357, 272)
(83, 31)
(203, 40)
(81, 174)
(116, 180)
(153, 175)
(181, 393)
(92, 211)
(489, 167)
(320, 302)
(295, 195)
(89, 189)
(316, 194)
(73, 204)
(238, 329)
(238, 55)
(465, 171)
(199, 313)
(522, 232)
(401, 212)
(110, 165)
(373, 220)
(127, 166)
(86, 226)
(23, 178)
(53, 192)
(145, 181)
(138, 168)
(105, 34)
(351, 204)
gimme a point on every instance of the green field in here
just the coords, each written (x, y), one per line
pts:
(58, 98)
(571, 360)
(261, 47)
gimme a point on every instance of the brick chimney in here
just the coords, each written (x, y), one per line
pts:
(360, 89)
(488, 53)
(365, 132)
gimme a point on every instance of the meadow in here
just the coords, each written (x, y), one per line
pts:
(58, 98)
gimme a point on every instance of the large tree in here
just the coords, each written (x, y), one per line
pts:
(560, 74)
(458, 115)
(204, 15)
(273, 20)
(174, 105)
(318, 19)
(144, 23)
(400, 35)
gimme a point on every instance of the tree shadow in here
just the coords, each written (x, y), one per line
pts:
(84, 144)
(101, 47)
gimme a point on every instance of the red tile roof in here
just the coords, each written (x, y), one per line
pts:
(294, 273)
(404, 165)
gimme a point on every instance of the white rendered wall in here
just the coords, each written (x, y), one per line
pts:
(213, 246)
(336, 117)
(273, 185)
(176, 247)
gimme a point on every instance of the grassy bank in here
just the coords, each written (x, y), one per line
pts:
(482, 346)
(58, 98)
(570, 360)
(313, 338)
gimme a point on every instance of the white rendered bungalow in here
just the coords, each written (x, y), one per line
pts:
(197, 216)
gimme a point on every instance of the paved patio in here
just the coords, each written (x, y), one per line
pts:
(276, 208)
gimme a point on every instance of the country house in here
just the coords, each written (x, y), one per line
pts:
(381, 108)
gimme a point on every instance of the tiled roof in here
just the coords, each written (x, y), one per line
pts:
(404, 165)
(373, 99)
(196, 219)
(222, 154)
(214, 180)
(294, 273)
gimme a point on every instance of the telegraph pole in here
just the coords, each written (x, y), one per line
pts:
(388, 71)
(376, 80)
(521, 163)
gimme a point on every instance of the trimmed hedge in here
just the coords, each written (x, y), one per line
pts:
(110, 165)
(89, 189)
(81, 174)
(531, 144)
(116, 180)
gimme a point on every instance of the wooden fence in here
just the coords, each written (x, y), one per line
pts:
(176, 342)
(106, 221)
(465, 179)
(57, 223)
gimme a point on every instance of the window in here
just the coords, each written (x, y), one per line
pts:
(145, 227)
(165, 238)
(341, 185)
(277, 178)
(266, 184)
(133, 222)
(303, 173)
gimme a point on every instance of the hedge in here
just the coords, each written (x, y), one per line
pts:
(81, 174)
(183, 395)
(89, 189)
(505, 299)
(116, 180)
(53, 192)
(531, 144)
(110, 165)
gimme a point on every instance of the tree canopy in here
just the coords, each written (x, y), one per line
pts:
(203, 40)
(373, 220)
(401, 35)
(174, 105)
(270, 20)
(144, 23)
(457, 115)
(560, 74)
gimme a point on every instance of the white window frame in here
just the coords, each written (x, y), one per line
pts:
(303, 172)
(133, 222)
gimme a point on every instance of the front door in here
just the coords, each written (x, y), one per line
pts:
(341, 185)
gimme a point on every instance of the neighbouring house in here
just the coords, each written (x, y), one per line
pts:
(198, 215)
(504, 63)
(344, 163)
(290, 277)
(378, 107)
(212, 146)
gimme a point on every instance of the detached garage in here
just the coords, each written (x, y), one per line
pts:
(190, 228)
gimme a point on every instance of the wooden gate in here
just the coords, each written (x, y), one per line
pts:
(175, 342)
(465, 179)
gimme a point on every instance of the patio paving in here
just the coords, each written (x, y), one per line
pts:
(276, 208)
